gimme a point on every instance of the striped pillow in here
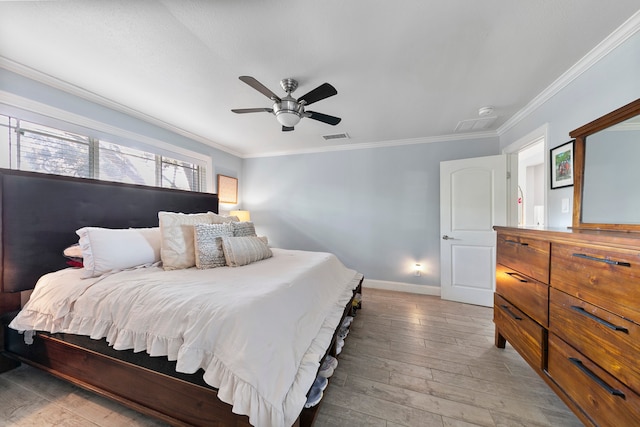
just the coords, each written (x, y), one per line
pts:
(244, 250)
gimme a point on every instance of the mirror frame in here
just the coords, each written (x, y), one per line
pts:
(580, 135)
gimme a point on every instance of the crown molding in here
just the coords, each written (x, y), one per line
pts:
(380, 144)
(615, 39)
(66, 87)
(56, 83)
(630, 27)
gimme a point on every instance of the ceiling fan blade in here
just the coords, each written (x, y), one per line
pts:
(252, 110)
(323, 91)
(259, 87)
(287, 128)
(332, 120)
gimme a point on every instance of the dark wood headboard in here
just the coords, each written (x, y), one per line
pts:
(40, 214)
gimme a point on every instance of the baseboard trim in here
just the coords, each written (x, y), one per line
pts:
(401, 287)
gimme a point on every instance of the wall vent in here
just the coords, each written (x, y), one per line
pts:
(336, 136)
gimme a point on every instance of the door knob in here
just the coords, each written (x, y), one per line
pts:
(445, 237)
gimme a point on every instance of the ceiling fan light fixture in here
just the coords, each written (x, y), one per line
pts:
(288, 118)
(289, 110)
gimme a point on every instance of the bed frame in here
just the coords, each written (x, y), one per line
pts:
(39, 215)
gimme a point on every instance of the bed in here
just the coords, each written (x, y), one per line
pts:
(40, 214)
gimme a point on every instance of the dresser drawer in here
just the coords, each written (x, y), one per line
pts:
(609, 340)
(525, 335)
(529, 295)
(607, 401)
(528, 256)
(606, 277)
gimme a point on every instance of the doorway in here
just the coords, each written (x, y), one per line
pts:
(531, 185)
(531, 199)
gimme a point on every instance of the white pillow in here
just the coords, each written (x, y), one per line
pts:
(208, 244)
(245, 250)
(107, 249)
(177, 244)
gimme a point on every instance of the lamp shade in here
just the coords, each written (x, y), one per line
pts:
(242, 215)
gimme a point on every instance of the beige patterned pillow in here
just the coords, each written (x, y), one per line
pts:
(245, 228)
(208, 244)
(177, 244)
(244, 250)
(221, 219)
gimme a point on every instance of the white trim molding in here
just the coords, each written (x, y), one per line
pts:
(380, 144)
(630, 27)
(401, 287)
(69, 88)
(61, 85)
(615, 39)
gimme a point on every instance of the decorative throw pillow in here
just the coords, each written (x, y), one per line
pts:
(241, 229)
(106, 249)
(176, 229)
(208, 244)
(244, 250)
(221, 219)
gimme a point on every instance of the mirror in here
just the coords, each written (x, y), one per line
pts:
(606, 194)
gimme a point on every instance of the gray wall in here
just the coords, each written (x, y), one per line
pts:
(377, 209)
(609, 84)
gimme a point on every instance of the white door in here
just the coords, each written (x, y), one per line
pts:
(473, 198)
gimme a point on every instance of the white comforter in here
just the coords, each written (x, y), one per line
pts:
(258, 331)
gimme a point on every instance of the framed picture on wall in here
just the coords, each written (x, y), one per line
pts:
(227, 189)
(561, 165)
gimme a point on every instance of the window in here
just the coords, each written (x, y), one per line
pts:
(48, 150)
(38, 148)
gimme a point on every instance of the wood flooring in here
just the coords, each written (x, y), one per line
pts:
(409, 360)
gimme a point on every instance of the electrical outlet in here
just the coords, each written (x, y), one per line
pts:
(418, 269)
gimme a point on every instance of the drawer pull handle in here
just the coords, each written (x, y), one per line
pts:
(518, 277)
(612, 391)
(513, 242)
(605, 260)
(510, 313)
(599, 320)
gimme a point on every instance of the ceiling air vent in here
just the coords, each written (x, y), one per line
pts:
(475, 124)
(336, 136)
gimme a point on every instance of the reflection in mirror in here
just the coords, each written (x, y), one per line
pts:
(611, 175)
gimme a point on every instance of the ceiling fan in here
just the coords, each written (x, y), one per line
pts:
(288, 110)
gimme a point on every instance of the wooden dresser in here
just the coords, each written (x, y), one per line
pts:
(569, 303)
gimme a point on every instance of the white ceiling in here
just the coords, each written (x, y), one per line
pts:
(403, 69)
